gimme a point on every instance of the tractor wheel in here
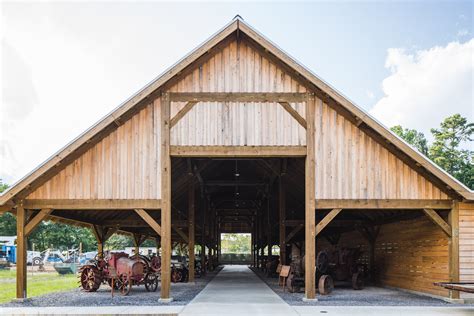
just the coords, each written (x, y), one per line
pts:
(357, 281)
(176, 276)
(37, 261)
(124, 284)
(325, 284)
(90, 279)
(151, 282)
(322, 262)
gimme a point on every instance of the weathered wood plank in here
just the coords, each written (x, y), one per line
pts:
(454, 263)
(405, 204)
(237, 97)
(310, 216)
(83, 204)
(238, 151)
(21, 239)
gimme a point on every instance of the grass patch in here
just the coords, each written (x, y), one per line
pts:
(38, 284)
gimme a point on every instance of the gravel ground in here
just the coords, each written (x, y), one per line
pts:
(182, 294)
(344, 295)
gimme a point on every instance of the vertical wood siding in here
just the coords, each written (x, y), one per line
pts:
(123, 165)
(466, 245)
(408, 254)
(352, 165)
(237, 68)
(349, 163)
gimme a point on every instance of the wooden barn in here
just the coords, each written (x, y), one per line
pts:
(239, 137)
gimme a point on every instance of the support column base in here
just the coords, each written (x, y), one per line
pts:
(165, 300)
(309, 300)
(20, 300)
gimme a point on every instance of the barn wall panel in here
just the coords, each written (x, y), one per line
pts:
(352, 165)
(123, 165)
(466, 245)
(237, 68)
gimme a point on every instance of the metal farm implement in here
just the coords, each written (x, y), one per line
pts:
(120, 272)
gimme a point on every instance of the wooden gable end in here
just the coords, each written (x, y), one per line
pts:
(123, 165)
(238, 66)
(350, 164)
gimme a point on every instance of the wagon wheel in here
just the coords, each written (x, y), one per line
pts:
(325, 284)
(176, 276)
(109, 281)
(151, 282)
(322, 262)
(357, 281)
(124, 284)
(155, 263)
(90, 279)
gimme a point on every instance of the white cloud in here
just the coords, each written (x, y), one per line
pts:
(462, 32)
(426, 87)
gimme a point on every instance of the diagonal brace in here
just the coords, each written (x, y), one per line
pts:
(326, 220)
(438, 220)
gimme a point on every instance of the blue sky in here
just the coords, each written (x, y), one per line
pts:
(67, 64)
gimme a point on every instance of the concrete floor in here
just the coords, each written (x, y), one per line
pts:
(236, 290)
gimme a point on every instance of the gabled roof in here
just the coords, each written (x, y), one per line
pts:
(236, 25)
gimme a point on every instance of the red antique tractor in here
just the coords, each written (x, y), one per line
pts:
(121, 272)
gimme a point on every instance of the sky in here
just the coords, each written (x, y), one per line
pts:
(64, 65)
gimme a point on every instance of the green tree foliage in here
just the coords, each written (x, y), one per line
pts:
(446, 150)
(7, 220)
(235, 243)
(413, 137)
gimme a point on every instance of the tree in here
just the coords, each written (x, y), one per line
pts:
(413, 137)
(446, 152)
(7, 220)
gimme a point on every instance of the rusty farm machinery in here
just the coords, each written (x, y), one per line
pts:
(331, 265)
(120, 272)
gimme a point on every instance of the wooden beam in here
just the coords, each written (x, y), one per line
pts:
(238, 151)
(438, 220)
(36, 220)
(368, 204)
(327, 219)
(237, 97)
(165, 200)
(21, 241)
(294, 222)
(181, 233)
(149, 220)
(83, 204)
(293, 232)
(454, 265)
(294, 113)
(182, 113)
(310, 207)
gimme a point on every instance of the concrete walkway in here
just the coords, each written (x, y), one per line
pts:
(236, 290)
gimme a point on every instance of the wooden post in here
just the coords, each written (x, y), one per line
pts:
(282, 213)
(20, 253)
(137, 238)
(269, 231)
(191, 230)
(165, 200)
(310, 215)
(157, 240)
(203, 236)
(453, 221)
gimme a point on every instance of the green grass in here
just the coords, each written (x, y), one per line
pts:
(38, 284)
